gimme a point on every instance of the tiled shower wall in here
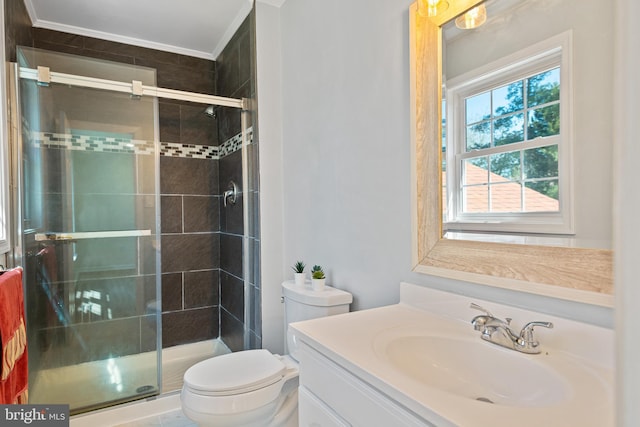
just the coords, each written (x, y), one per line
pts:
(236, 79)
(202, 288)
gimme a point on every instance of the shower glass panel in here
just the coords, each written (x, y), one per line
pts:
(89, 235)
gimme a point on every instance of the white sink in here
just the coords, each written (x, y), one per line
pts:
(477, 370)
(424, 355)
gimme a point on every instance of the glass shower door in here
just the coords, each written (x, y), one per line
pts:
(90, 244)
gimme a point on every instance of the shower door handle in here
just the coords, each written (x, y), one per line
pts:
(90, 235)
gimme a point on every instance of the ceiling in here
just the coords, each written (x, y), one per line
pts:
(200, 28)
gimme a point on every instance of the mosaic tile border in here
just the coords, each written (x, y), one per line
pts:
(233, 144)
(91, 143)
(136, 146)
(195, 151)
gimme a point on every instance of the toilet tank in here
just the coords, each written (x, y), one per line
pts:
(303, 303)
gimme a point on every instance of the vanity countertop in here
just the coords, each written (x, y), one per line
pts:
(580, 355)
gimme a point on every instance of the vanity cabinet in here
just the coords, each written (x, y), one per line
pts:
(315, 413)
(332, 396)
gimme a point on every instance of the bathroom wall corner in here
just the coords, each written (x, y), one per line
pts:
(269, 91)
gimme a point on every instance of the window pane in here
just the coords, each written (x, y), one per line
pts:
(507, 99)
(475, 199)
(505, 167)
(541, 162)
(478, 107)
(476, 171)
(544, 121)
(506, 197)
(541, 196)
(543, 88)
(478, 136)
(507, 130)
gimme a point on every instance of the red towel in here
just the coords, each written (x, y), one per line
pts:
(14, 374)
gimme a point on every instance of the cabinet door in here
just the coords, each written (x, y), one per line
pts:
(313, 413)
(353, 400)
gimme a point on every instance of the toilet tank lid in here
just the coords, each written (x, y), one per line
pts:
(328, 297)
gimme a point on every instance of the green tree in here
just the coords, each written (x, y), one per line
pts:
(508, 128)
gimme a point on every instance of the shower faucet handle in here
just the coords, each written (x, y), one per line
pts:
(230, 195)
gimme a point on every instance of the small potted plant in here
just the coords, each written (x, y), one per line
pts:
(317, 278)
(298, 273)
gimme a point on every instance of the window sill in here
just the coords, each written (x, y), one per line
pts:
(562, 241)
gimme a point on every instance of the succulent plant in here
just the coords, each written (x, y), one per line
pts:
(317, 273)
(298, 267)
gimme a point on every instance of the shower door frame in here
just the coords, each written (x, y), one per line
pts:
(44, 76)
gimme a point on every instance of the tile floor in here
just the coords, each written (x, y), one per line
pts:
(169, 419)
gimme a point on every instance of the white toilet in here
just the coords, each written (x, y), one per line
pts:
(255, 388)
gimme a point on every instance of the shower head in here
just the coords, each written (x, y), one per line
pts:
(209, 111)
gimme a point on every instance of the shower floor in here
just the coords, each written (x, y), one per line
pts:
(161, 411)
(94, 383)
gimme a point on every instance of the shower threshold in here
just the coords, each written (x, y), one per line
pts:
(108, 382)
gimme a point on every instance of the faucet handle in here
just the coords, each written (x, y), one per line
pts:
(480, 321)
(527, 330)
(526, 335)
(477, 307)
(230, 195)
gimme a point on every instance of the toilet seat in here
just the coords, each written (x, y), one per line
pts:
(236, 382)
(235, 373)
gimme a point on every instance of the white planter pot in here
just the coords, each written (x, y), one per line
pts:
(299, 278)
(318, 284)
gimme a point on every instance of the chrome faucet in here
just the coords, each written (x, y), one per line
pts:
(229, 196)
(499, 332)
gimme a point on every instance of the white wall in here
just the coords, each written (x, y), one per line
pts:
(269, 88)
(346, 157)
(346, 142)
(627, 202)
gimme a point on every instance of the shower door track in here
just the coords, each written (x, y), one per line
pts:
(44, 76)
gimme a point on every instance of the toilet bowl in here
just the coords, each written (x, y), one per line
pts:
(242, 389)
(255, 388)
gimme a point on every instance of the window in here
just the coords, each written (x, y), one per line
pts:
(508, 145)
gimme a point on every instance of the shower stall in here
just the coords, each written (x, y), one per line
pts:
(86, 162)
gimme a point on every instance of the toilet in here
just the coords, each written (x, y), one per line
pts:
(255, 388)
